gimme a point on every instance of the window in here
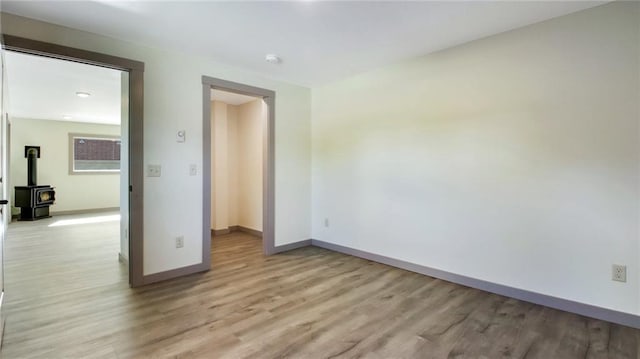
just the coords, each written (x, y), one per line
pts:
(94, 154)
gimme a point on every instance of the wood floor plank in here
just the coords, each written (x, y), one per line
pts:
(68, 297)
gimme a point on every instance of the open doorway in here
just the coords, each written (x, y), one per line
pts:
(131, 141)
(238, 149)
(238, 124)
(68, 175)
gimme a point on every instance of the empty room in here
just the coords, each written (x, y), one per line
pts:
(341, 179)
(63, 173)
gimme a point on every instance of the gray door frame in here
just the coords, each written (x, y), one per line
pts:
(268, 159)
(136, 156)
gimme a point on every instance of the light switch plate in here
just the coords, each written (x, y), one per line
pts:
(154, 170)
(193, 170)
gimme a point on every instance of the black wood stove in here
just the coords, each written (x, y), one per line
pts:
(33, 199)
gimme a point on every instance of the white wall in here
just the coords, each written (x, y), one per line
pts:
(237, 159)
(219, 167)
(513, 159)
(172, 102)
(233, 158)
(252, 117)
(73, 192)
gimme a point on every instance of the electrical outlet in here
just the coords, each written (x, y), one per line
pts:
(326, 222)
(193, 170)
(179, 242)
(154, 170)
(619, 273)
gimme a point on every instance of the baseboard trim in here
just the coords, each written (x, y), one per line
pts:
(231, 229)
(566, 305)
(85, 211)
(250, 231)
(220, 232)
(291, 246)
(174, 273)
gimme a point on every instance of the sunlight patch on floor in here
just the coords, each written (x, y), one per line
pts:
(87, 220)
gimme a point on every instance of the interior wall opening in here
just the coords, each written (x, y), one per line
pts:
(238, 125)
(252, 158)
(69, 133)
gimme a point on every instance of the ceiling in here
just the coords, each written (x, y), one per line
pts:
(45, 89)
(318, 41)
(231, 98)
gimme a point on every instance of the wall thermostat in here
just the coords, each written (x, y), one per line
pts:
(181, 136)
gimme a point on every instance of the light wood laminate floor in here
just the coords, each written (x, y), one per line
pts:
(67, 297)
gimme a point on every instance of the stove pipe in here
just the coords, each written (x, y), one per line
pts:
(32, 153)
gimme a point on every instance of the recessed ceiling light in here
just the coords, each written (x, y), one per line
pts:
(272, 59)
(83, 94)
(67, 117)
